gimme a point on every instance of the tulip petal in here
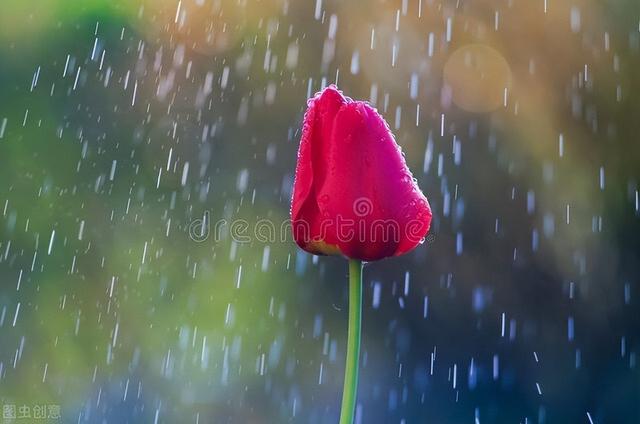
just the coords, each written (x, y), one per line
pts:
(369, 183)
(310, 170)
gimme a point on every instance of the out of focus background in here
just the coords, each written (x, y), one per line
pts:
(130, 129)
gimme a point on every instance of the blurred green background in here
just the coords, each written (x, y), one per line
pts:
(124, 124)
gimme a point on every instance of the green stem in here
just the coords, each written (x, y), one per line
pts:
(350, 388)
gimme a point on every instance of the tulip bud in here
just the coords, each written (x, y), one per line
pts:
(353, 193)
